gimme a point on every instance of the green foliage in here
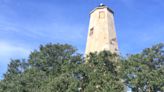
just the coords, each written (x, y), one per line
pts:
(102, 73)
(144, 72)
(59, 68)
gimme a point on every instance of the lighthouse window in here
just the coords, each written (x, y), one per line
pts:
(101, 14)
(91, 31)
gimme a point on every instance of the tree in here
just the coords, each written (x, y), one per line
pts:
(42, 65)
(99, 74)
(144, 72)
(59, 68)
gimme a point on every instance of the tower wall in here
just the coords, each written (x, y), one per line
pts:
(101, 32)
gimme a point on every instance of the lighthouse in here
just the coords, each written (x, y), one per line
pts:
(101, 31)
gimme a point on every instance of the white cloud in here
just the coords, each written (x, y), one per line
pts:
(9, 51)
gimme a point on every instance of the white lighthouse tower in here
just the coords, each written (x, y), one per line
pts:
(101, 33)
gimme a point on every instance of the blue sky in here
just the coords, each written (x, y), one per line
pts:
(25, 24)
